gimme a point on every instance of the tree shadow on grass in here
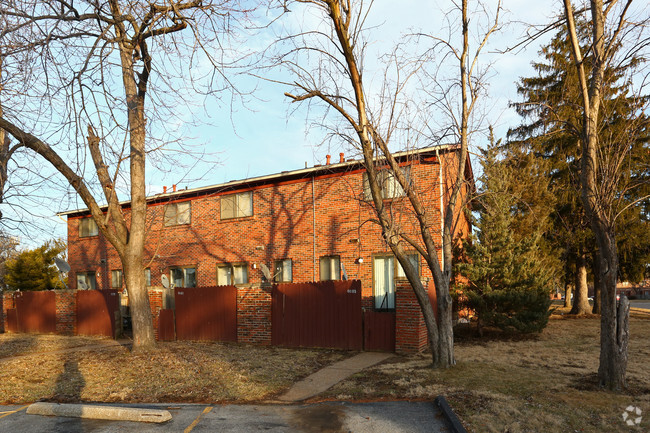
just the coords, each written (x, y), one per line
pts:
(70, 383)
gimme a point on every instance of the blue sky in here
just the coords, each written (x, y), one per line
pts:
(268, 135)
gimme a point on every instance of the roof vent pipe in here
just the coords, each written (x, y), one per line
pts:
(164, 190)
(342, 157)
(329, 157)
(174, 188)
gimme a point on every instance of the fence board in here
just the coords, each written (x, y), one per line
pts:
(36, 311)
(96, 312)
(322, 314)
(166, 331)
(379, 330)
(206, 313)
(12, 320)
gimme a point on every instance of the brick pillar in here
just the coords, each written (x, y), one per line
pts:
(156, 304)
(410, 329)
(66, 312)
(7, 304)
(254, 315)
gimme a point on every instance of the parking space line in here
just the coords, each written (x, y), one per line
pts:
(197, 420)
(13, 411)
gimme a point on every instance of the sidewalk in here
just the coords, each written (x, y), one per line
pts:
(329, 376)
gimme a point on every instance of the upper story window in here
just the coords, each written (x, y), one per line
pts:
(414, 258)
(283, 272)
(237, 205)
(330, 268)
(177, 213)
(390, 186)
(147, 277)
(88, 227)
(229, 274)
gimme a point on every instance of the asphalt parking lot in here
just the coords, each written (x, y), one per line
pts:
(377, 417)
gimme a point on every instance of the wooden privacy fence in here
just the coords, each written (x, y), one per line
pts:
(206, 313)
(96, 312)
(322, 314)
(34, 312)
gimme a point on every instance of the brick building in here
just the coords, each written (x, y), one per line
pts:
(305, 225)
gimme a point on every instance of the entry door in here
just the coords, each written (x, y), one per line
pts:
(384, 283)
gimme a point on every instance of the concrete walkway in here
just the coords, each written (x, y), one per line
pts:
(329, 376)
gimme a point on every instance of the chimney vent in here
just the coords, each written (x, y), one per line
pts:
(164, 190)
(342, 157)
(174, 187)
(329, 157)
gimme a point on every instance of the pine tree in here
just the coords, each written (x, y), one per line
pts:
(505, 281)
(34, 269)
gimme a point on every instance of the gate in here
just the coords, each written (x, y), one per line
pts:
(96, 312)
(35, 311)
(206, 313)
(322, 314)
(379, 330)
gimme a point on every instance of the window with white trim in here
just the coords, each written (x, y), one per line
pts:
(414, 258)
(237, 205)
(177, 214)
(147, 277)
(86, 281)
(116, 279)
(229, 274)
(88, 227)
(390, 186)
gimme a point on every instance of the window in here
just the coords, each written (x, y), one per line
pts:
(229, 274)
(383, 282)
(183, 277)
(237, 205)
(177, 213)
(330, 268)
(116, 279)
(414, 258)
(283, 271)
(87, 227)
(147, 277)
(86, 281)
(390, 187)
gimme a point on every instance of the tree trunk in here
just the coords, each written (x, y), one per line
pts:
(581, 294)
(143, 333)
(614, 321)
(597, 284)
(568, 291)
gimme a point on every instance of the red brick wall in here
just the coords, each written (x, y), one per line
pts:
(410, 329)
(7, 304)
(254, 315)
(66, 312)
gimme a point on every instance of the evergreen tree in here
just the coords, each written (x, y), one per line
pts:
(35, 269)
(551, 131)
(505, 281)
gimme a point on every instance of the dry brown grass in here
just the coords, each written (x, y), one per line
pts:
(541, 383)
(206, 372)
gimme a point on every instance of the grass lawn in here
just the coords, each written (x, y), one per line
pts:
(541, 383)
(206, 372)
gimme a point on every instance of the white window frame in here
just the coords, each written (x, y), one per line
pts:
(414, 258)
(238, 208)
(383, 282)
(88, 227)
(117, 274)
(147, 277)
(176, 214)
(89, 278)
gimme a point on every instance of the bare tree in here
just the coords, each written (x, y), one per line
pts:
(602, 171)
(337, 80)
(90, 67)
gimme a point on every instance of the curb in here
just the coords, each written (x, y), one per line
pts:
(452, 419)
(111, 413)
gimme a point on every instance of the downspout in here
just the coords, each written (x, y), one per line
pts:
(313, 208)
(442, 215)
